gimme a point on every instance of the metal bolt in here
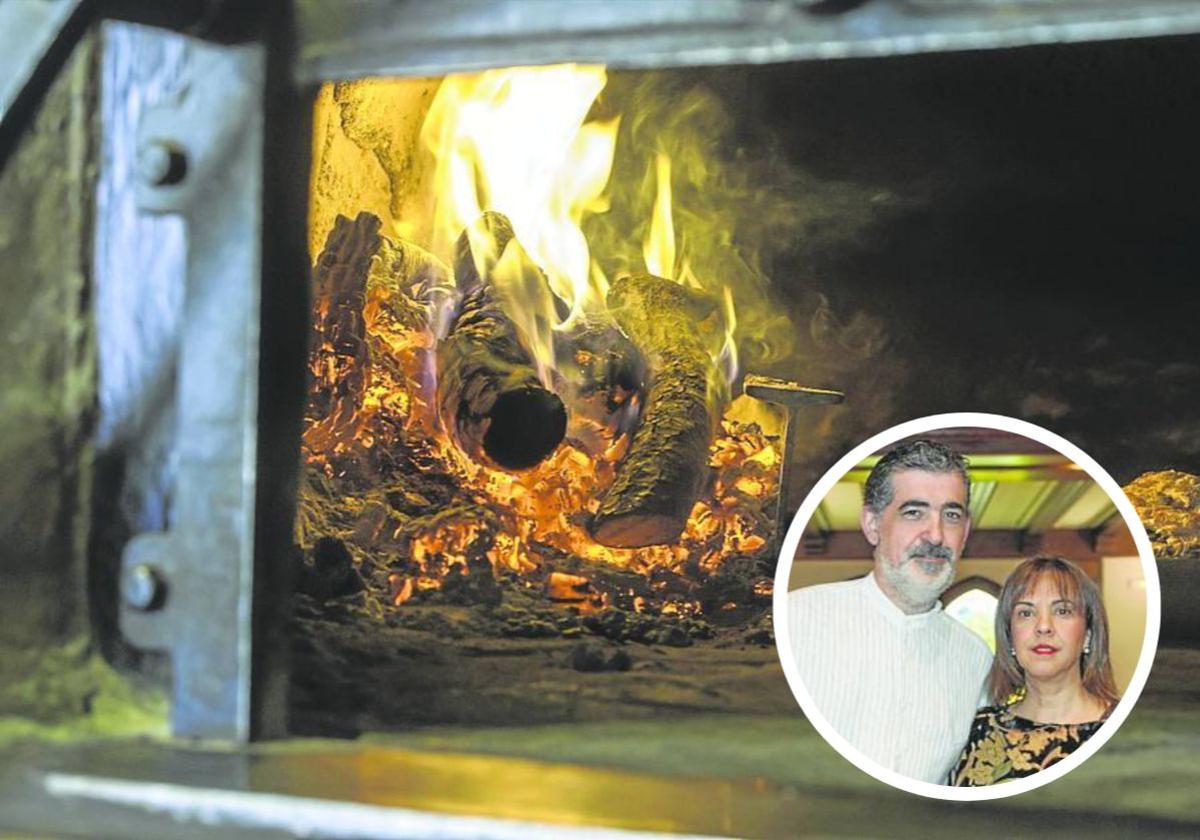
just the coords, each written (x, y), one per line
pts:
(160, 163)
(144, 588)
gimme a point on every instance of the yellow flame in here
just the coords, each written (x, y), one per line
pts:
(515, 140)
(728, 357)
(659, 253)
(659, 248)
(528, 302)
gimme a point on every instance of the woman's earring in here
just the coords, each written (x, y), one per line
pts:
(1012, 652)
(1087, 644)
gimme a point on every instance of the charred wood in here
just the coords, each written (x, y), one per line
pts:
(663, 472)
(406, 286)
(340, 357)
(375, 300)
(491, 398)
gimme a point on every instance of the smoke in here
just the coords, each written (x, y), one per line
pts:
(726, 215)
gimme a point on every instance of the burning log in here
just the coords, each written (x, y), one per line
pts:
(340, 352)
(491, 398)
(369, 291)
(658, 481)
(405, 287)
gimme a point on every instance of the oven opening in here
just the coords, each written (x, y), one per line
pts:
(547, 412)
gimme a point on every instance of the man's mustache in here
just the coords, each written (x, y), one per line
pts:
(928, 549)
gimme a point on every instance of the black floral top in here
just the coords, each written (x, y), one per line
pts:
(1003, 746)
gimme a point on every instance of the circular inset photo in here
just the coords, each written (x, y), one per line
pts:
(966, 606)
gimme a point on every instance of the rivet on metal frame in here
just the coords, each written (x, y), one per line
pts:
(144, 588)
(160, 163)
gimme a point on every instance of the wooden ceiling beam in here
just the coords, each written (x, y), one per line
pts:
(1010, 543)
(1053, 505)
(1049, 471)
(1115, 540)
(981, 496)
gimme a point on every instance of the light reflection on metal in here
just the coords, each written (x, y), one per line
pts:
(384, 790)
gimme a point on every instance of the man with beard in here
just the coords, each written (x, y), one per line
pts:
(892, 673)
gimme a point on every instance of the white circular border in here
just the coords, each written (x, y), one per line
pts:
(948, 421)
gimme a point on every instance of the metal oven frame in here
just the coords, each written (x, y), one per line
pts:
(223, 154)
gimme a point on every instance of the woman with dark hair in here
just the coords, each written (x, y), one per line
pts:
(1051, 684)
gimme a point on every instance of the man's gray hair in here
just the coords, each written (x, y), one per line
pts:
(924, 455)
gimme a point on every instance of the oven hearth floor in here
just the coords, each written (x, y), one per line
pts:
(723, 775)
(352, 674)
